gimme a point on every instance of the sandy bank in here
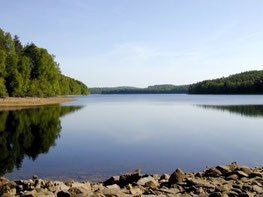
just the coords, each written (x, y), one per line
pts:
(10, 103)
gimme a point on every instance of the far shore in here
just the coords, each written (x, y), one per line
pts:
(12, 103)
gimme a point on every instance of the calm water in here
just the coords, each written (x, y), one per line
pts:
(103, 135)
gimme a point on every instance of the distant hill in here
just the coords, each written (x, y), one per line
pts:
(250, 82)
(156, 89)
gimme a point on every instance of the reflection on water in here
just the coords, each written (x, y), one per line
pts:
(244, 110)
(28, 132)
(114, 134)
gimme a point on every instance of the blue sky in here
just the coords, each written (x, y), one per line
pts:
(142, 42)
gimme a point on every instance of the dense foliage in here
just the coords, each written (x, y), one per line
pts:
(250, 82)
(156, 89)
(28, 133)
(32, 71)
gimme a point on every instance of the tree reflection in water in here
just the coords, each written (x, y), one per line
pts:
(29, 132)
(244, 110)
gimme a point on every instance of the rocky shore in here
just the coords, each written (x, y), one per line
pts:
(225, 180)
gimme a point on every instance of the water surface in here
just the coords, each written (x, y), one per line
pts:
(111, 134)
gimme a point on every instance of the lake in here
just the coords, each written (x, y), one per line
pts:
(103, 135)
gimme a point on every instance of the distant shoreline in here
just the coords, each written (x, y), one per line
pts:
(12, 103)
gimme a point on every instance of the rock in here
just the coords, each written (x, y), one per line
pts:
(112, 180)
(170, 191)
(57, 186)
(43, 192)
(255, 174)
(156, 177)
(29, 194)
(223, 169)
(69, 183)
(216, 194)
(223, 188)
(200, 183)
(212, 172)
(112, 193)
(80, 189)
(63, 194)
(223, 181)
(152, 184)
(3, 181)
(232, 177)
(35, 177)
(136, 191)
(130, 177)
(257, 189)
(177, 176)
(245, 169)
(96, 187)
(114, 186)
(165, 177)
(241, 174)
(144, 180)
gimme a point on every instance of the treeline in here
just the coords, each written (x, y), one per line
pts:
(31, 71)
(250, 82)
(156, 89)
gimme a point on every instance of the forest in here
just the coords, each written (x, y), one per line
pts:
(156, 89)
(27, 70)
(250, 82)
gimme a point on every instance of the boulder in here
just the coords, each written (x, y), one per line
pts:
(244, 169)
(136, 191)
(130, 177)
(165, 177)
(114, 186)
(212, 172)
(63, 194)
(200, 183)
(80, 189)
(177, 176)
(257, 189)
(144, 180)
(255, 174)
(111, 193)
(112, 180)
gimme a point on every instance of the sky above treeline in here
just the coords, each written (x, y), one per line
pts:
(142, 42)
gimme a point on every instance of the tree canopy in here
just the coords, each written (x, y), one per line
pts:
(250, 82)
(31, 71)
